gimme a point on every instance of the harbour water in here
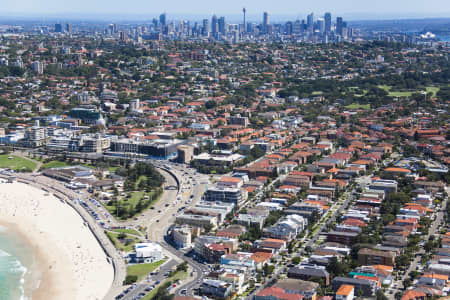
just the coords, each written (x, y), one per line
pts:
(19, 274)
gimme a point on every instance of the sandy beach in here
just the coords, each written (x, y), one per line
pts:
(72, 263)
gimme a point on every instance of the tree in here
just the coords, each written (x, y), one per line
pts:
(402, 260)
(268, 269)
(208, 227)
(406, 283)
(182, 267)
(210, 104)
(337, 268)
(130, 279)
(163, 293)
(379, 295)
(273, 217)
(296, 260)
(253, 233)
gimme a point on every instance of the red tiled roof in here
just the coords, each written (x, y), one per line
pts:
(412, 295)
(279, 294)
(345, 290)
(397, 170)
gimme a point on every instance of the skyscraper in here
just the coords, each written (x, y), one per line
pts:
(244, 11)
(58, 27)
(162, 19)
(297, 27)
(37, 67)
(214, 25)
(327, 18)
(288, 28)
(310, 22)
(339, 25)
(222, 26)
(69, 28)
(110, 29)
(205, 31)
(123, 36)
(265, 22)
(321, 25)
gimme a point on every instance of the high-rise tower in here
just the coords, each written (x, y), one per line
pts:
(327, 18)
(222, 26)
(245, 25)
(266, 22)
(162, 19)
(339, 25)
(214, 25)
(310, 22)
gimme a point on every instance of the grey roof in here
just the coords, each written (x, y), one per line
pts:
(343, 233)
(308, 272)
(296, 285)
(352, 281)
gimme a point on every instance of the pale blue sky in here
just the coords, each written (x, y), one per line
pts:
(367, 8)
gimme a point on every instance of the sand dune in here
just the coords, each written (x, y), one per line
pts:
(72, 263)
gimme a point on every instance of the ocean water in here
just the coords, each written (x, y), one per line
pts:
(444, 38)
(18, 267)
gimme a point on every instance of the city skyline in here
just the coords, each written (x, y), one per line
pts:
(349, 9)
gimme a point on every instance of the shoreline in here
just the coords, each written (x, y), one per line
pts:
(64, 249)
(40, 282)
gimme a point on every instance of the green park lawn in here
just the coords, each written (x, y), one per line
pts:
(112, 169)
(141, 270)
(358, 106)
(54, 164)
(16, 163)
(432, 89)
(428, 89)
(388, 89)
(114, 237)
(180, 275)
(132, 201)
(126, 230)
